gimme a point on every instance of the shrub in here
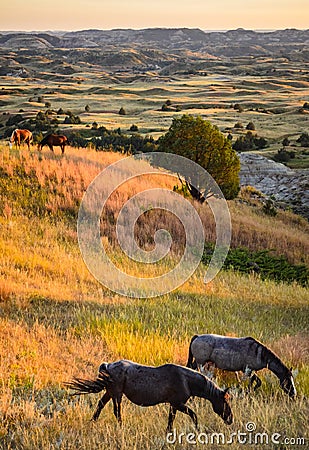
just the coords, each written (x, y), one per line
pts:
(249, 142)
(71, 119)
(238, 107)
(303, 140)
(14, 120)
(250, 126)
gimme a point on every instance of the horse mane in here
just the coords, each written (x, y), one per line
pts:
(13, 134)
(268, 355)
(44, 140)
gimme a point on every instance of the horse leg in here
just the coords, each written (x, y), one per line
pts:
(62, 148)
(102, 402)
(171, 418)
(117, 407)
(257, 381)
(51, 147)
(186, 410)
(208, 369)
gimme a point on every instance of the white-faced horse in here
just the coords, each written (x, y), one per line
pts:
(19, 136)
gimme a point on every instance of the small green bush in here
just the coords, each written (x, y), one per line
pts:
(263, 262)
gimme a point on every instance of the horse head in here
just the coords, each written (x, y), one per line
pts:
(287, 383)
(103, 367)
(221, 406)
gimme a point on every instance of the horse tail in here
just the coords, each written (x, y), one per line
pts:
(83, 386)
(190, 363)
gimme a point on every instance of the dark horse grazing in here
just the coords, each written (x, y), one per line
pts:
(54, 140)
(18, 136)
(149, 386)
(244, 354)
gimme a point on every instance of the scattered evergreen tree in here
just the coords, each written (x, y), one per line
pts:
(250, 126)
(200, 141)
(303, 140)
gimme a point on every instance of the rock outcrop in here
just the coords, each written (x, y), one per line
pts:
(287, 186)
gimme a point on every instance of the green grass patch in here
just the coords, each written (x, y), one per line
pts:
(262, 262)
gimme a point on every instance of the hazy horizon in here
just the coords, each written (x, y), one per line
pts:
(215, 15)
(257, 30)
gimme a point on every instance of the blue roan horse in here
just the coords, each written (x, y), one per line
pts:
(244, 354)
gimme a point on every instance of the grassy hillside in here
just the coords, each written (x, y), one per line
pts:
(58, 322)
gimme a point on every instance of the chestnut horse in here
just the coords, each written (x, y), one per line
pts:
(54, 140)
(19, 136)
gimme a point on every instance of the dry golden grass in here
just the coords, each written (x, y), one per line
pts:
(57, 322)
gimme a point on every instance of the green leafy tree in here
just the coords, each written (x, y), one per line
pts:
(200, 141)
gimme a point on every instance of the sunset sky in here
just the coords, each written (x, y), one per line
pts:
(103, 14)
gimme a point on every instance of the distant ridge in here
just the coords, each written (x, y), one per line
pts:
(148, 51)
(217, 43)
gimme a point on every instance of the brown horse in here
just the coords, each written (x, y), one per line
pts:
(19, 136)
(54, 140)
(149, 386)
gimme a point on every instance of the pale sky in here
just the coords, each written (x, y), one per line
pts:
(102, 14)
